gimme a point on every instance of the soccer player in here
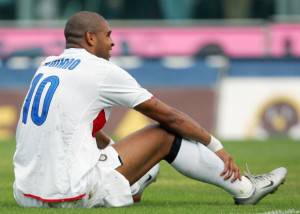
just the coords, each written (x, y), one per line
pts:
(57, 162)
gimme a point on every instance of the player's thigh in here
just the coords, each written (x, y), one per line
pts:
(141, 150)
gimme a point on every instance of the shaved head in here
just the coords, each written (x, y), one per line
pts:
(90, 31)
(79, 24)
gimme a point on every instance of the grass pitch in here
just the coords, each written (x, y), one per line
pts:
(174, 193)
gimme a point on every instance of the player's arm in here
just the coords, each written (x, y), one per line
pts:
(183, 125)
(174, 120)
(103, 140)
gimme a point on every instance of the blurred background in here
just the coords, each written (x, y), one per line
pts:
(232, 65)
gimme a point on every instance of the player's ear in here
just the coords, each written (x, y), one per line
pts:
(90, 38)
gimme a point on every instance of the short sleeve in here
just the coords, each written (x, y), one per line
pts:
(119, 88)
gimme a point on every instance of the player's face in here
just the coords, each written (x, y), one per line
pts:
(104, 42)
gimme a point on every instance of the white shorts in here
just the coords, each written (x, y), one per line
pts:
(106, 187)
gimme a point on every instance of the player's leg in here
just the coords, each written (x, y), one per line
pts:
(141, 150)
(206, 166)
(139, 186)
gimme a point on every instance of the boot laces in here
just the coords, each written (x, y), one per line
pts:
(257, 178)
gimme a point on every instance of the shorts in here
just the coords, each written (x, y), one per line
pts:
(106, 187)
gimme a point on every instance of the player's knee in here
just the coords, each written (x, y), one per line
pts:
(166, 140)
(171, 144)
(173, 150)
(166, 135)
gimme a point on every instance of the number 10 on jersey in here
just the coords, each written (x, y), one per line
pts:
(36, 118)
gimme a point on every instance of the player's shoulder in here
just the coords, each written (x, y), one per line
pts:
(94, 61)
(110, 66)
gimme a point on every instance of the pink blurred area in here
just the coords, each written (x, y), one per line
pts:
(15, 39)
(280, 34)
(248, 41)
(188, 41)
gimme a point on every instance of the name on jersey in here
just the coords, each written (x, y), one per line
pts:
(64, 63)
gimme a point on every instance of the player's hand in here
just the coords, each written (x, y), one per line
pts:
(230, 168)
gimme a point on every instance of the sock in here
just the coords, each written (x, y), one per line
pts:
(145, 180)
(196, 161)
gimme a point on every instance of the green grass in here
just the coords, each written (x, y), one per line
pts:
(173, 193)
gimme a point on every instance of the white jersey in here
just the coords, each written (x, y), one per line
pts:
(55, 147)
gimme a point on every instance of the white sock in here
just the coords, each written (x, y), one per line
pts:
(196, 161)
(145, 180)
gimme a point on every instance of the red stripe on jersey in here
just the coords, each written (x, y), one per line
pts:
(99, 122)
(76, 198)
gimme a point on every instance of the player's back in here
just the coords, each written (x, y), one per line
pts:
(55, 147)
